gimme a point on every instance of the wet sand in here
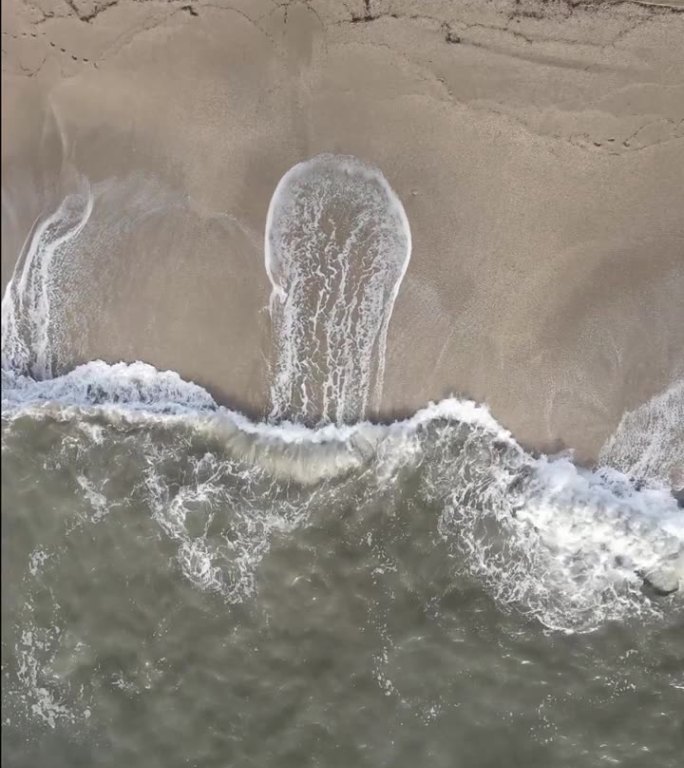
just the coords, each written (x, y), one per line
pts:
(538, 149)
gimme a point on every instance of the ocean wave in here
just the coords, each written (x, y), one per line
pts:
(570, 546)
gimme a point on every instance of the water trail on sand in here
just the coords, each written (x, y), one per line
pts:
(569, 546)
(648, 443)
(29, 340)
(337, 245)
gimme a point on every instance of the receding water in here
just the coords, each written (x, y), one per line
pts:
(337, 245)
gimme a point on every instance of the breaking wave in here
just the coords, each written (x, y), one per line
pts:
(569, 546)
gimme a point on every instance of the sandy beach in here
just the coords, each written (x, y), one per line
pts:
(537, 147)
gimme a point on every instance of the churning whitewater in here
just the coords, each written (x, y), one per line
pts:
(567, 547)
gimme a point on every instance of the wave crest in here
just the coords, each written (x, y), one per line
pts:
(569, 546)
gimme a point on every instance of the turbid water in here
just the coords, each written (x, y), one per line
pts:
(184, 586)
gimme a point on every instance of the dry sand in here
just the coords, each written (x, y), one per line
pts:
(538, 148)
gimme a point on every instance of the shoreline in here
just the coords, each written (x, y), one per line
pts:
(537, 159)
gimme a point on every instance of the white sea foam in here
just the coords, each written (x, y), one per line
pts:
(568, 545)
(649, 441)
(564, 545)
(40, 692)
(97, 500)
(138, 392)
(222, 521)
(52, 279)
(337, 245)
(29, 340)
(136, 385)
